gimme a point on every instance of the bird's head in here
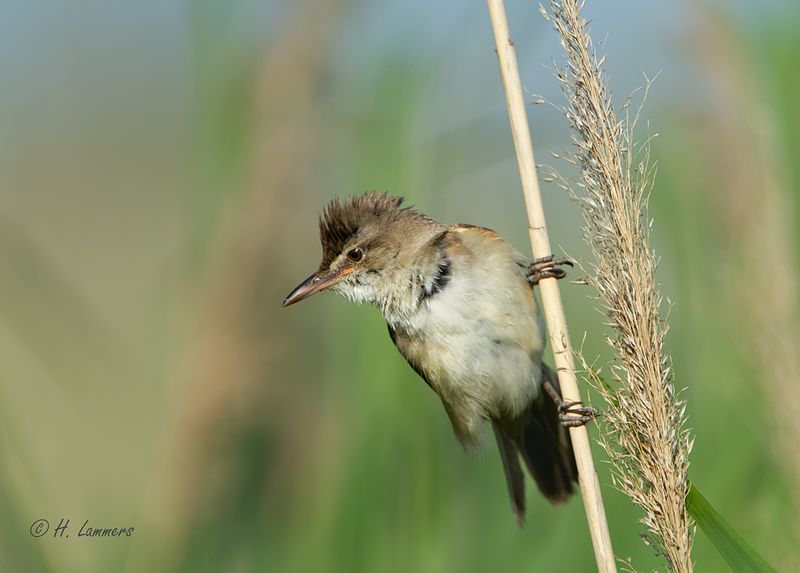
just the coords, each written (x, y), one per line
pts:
(366, 242)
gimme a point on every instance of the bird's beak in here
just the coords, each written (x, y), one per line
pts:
(312, 285)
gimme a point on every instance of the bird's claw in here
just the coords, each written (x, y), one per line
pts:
(547, 267)
(573, 414)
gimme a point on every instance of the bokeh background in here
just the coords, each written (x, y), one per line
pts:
(162, 165)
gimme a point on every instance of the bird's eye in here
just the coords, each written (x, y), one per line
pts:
(356, 254)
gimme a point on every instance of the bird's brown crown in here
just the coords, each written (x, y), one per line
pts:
(342, 220)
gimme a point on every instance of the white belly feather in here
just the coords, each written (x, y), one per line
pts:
(479, 344)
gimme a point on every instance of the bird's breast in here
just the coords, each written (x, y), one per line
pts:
(477, 340)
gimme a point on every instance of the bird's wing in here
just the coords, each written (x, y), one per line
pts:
(473, 232)
(399, 344)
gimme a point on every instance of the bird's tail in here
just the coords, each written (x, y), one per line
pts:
(545, 447)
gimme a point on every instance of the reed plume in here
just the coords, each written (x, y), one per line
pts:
(646, 440)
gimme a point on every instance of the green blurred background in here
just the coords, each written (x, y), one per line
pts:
(162, 165)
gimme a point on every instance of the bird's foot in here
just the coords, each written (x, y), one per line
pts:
(546, 268)
(573, 414)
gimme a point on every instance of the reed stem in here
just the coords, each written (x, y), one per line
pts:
(550, 293)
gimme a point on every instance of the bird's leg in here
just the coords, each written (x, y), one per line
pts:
(547, 267)
(573, 413)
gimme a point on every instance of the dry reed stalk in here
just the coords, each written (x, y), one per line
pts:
(647, 442)
(550, 294)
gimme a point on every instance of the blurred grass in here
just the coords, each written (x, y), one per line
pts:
(150, 377)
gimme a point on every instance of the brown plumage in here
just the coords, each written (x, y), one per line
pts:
(460, 309)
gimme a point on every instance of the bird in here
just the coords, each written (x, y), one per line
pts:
(459, 304)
